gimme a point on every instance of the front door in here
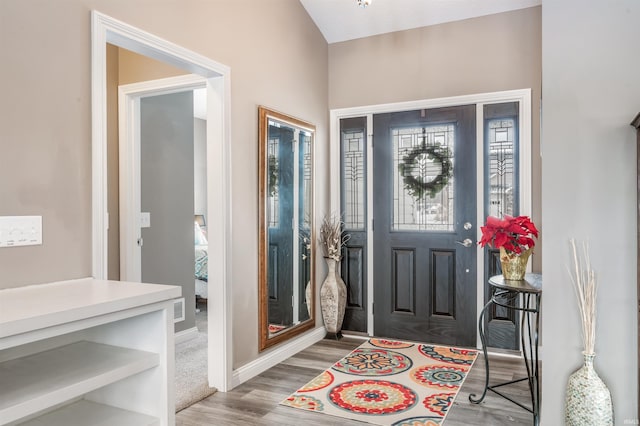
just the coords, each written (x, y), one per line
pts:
(280, 224)
(424, 190)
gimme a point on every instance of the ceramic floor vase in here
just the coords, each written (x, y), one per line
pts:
(307, 297)
(514, 266)
(588, 400)
(333, 299)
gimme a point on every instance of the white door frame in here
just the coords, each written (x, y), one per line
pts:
(523, 96)
(105, 29)
(129, 96)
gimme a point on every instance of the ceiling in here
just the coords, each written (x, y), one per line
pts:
(341, 20)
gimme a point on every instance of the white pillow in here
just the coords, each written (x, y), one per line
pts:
(200, 238)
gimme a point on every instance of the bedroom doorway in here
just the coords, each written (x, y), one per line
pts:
(163, 180)
(106, 30)
(163, 210)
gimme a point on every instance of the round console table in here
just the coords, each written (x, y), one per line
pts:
(525, 296)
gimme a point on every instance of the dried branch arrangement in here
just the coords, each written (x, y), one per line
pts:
(331, 237)
(585, 286)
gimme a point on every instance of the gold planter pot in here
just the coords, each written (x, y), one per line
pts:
(514, 266)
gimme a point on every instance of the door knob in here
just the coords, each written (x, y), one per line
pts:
(467, 225)
(467, 242)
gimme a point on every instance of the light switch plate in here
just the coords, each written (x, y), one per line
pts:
(20, 231)
(145, 220)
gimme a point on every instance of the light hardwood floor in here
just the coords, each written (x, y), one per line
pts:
(256, 402)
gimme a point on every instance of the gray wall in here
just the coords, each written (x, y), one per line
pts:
(591, 92)
(166, 181)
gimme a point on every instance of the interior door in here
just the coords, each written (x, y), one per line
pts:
(424, 189)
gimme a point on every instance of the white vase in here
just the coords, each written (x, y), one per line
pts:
(307, 297)
(588, 400)
(333, 300)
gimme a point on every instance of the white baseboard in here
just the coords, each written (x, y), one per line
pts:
(276, 356)
(356, 335)
(185, 335)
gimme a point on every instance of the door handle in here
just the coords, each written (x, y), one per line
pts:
(467, 242)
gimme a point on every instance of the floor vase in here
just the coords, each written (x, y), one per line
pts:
(588, 400)
(333, 299)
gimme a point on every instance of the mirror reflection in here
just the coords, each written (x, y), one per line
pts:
(286, 250)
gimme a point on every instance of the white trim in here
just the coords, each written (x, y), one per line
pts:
(105, 29)
(523, 96)
(185, 335)
(347, 333)
(369, 223)
(493, 97)
(276, 356)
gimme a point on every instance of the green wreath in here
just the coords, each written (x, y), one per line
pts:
(416, 186)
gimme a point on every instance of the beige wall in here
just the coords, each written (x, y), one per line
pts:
(277, 57)
(113, 169)
(487, 54)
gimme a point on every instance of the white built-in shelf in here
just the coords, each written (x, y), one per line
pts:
(48, 378)
(87, 352)
(34, 307)
(92, 414)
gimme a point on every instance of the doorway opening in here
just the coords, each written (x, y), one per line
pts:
(106, 30)
(416, 134)
(163, 210)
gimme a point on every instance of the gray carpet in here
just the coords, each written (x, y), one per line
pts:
(191, 365)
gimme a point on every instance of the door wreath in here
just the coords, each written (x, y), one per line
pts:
(414, 185)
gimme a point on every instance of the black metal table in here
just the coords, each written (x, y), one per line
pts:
(506, 293)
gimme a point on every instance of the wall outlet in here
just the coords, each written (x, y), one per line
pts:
(20, 231)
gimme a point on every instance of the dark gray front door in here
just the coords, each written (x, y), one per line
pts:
(424, 190)
(280, 278)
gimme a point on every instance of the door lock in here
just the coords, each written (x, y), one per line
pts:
(467, 242)
(467, 225)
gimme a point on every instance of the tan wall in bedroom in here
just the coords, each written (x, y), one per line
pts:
(45, 121)
(487, 54)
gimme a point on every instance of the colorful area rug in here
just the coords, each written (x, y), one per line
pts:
(387, 382)
(275, 328)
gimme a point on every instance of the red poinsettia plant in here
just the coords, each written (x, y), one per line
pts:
(515, 234)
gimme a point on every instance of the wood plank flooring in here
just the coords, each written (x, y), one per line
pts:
(256, 402)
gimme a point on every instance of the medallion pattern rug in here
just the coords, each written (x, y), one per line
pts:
(389, 382)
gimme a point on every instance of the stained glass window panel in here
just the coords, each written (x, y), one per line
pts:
(273, 167)
(353, 178)
(305, 180)
(501, 166)
(423, 183)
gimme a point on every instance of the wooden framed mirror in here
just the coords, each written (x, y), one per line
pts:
(286, 286)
